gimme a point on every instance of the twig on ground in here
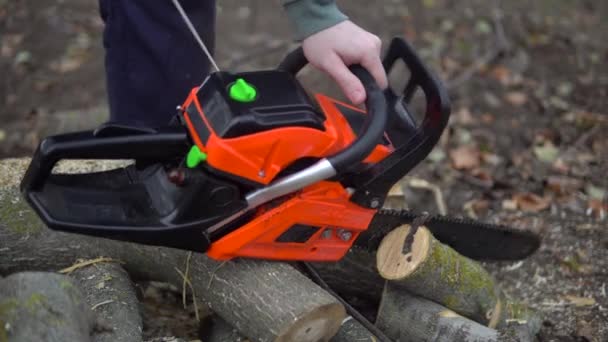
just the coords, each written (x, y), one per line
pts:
(186, 280)
(213, 274)
(102, 303)
(85, 263)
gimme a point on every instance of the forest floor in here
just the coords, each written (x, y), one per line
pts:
(526, 144)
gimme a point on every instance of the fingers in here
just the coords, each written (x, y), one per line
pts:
(372, 62)
(346, 80)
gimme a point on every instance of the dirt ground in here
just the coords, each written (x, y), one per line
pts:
(526, 144)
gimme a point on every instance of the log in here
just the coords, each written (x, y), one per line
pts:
(41, 306)
(405, 317)
(215, 329)
(353, 331)
(111, 294)
(432, 270)
(355, 275)
(265, 301)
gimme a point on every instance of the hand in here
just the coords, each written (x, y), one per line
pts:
(334, 49)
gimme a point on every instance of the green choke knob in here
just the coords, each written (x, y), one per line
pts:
(195, 157)
(242, 91)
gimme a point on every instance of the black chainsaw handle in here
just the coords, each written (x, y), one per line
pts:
(375, 120)
(152, 145)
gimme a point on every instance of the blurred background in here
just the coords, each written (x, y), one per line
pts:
(526, 145)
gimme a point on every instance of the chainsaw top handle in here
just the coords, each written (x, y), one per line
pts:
(412, 139)
(376, 118)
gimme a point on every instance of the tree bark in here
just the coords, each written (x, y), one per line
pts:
(265, 301)
(40, 306)
(405, 317)
(432, 270)
(110, 292)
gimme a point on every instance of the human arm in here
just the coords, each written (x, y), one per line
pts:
(331, 42)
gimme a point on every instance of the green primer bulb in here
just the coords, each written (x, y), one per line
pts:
(242, 91)
(195, 157)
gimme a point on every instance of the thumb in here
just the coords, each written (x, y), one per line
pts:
(346, 80)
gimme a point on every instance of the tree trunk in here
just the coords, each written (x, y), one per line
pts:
(40, 306)
(407, 318)
(265, 301)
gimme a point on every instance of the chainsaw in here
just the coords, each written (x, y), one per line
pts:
(254, 166)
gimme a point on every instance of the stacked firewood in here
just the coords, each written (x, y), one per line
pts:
(420, 289)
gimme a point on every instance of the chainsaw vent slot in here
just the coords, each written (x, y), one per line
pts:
(298, 233)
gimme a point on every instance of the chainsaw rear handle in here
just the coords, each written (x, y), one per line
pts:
(375, 120)
(153, 145)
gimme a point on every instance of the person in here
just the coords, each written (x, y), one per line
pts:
(152, 61)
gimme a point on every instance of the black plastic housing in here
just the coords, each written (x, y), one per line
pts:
(280, 102)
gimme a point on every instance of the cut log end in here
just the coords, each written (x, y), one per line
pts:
(392, 262)
(437, 272)
(319, 325)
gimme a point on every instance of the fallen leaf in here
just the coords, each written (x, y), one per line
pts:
(465, 157)
(565, 89)
(429, 3)
(580, 301)
(509, 205)
(594, 192)
(463, 136)
(597, 208)
(531, 202)
(560, 166)
(476, 207)
(584, 119)
(483, 27)
(483, 177)
(487, 118)
(562, 185)
(546, 152)
(396, 191)
(9, 43)
(450, 65)
(23, 57)
(559, 103)
(502, 74)
(491, 100)
(586, 331)
(575, 264)
(516, 98)
(463, 116)
(491, 158)
(437, 155)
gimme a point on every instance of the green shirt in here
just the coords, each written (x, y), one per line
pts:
(311, 16)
